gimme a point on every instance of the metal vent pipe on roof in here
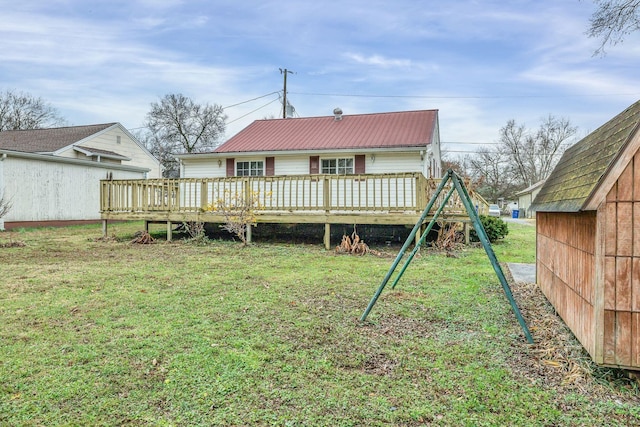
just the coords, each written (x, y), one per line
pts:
(337, 112)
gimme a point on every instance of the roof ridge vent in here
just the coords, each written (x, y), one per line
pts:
(337, 113)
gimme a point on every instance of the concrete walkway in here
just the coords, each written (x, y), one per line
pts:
(523, 272)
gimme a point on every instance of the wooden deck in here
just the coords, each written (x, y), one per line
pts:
(390, 199)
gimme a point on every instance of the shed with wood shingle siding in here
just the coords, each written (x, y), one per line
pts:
(588, 240)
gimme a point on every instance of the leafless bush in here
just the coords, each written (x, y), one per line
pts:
(5, 206)
(239, 212)
(195, 230)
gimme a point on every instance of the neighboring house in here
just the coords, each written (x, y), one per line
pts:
(406, 141)
(525, 199)
(52, 175)
(588, 240)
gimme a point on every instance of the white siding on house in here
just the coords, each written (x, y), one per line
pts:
(203, 168)
(525, 201)
(2, 192)
(54, 191)
(108, 140)
(393, 162)
(307, 192)
(432, 157)
(298, 164)
(292, 165)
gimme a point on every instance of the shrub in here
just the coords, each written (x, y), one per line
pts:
(495, 228)
(238, 210)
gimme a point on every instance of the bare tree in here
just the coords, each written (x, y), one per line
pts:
(613, 21)
(178, 125)
(161, 150)
(20, 110)
(532, 156)
(190, 127)
(490, 171)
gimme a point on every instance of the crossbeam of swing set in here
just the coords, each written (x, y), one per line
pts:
(458, 185)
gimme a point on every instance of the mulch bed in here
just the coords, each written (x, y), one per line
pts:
(557, 359)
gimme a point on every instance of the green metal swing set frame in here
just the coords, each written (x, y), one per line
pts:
(458, 185)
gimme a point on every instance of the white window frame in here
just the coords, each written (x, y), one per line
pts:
(340, 166)
(250, 168)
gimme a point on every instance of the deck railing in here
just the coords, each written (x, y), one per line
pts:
(397, 192)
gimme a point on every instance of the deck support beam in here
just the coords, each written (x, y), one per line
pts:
(104, 228)
(169, 231)
(327, 236)
(248, 235)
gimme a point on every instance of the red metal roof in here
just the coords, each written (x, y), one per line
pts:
(362, 131)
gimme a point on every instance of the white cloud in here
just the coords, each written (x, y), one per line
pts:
(378, 61)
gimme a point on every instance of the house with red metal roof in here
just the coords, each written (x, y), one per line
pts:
(364, 169)
(407, 141)
(52, 176)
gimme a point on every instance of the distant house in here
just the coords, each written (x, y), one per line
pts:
(526, 197)
(588, 240)
(406, 141)
(52, 175)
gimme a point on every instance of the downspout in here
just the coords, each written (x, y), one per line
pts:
(4, 156)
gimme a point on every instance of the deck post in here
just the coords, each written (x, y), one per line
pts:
(327, 236)
(326, 194)
(204, 195)
(467, 233)
(169, 231)
(104, 228)
(146, 226)
(248, 233)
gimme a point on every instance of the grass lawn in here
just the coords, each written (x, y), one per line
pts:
(110, 333)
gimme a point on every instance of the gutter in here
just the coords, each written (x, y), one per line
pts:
(57, 159)
(367, 150)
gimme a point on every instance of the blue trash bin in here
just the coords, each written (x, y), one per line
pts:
(515, 213)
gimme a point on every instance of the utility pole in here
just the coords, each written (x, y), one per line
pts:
(284, 97)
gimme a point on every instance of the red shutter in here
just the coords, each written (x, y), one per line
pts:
(358, 166)
(270, 166)
(314, 164)
(231, 167)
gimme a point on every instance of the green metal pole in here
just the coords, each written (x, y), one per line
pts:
(412, 235)
(423, 237)
(466, 200)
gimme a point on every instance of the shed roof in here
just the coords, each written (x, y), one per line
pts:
(582, 170)
(47, 140)
(363, 131)
(531, 188)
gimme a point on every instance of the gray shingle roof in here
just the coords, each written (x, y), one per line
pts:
(47, 140)
(584, 165)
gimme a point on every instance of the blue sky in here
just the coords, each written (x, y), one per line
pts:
(480, 63)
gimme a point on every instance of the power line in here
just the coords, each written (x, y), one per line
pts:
(249, 100)
(251, 112)
(461, 97)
